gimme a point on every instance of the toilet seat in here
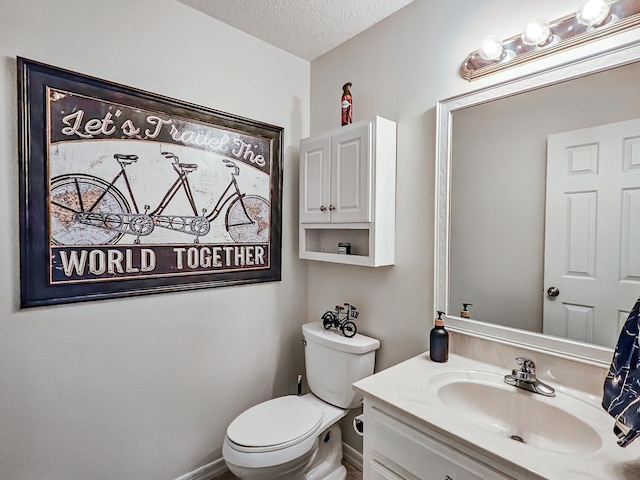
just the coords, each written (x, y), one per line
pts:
(275, 425)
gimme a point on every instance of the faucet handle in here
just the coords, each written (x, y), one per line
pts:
(526, 365)
(527, 370)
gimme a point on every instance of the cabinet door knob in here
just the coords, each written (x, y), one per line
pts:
(323, 208)
(331, 207)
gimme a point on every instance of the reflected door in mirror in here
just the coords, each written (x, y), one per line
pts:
(592, 234)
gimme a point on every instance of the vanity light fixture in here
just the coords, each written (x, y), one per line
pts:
(593, 20)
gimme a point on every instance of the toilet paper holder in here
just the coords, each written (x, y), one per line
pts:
(358, 424)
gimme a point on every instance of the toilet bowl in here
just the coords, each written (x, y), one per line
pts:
(288, 437)
(297, 437)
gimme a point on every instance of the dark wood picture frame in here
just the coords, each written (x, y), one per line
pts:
(126, 192)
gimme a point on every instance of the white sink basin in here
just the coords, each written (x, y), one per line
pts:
(559, 424)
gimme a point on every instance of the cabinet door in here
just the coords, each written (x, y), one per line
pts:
(378, 472)
(410, 453)
(351, 175)
(315, 181)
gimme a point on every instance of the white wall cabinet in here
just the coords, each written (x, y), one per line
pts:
(347, 193)
(397, 449)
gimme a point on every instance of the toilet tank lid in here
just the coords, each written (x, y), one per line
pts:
(333, 338)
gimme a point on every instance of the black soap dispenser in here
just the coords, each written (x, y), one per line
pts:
(465, 313)
(439, 341)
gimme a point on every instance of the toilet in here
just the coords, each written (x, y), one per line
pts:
(297, 437)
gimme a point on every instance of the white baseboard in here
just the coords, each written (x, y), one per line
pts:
(352, 456)
(206, 472)
(218, 467)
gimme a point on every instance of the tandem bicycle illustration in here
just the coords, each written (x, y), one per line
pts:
(83, 200)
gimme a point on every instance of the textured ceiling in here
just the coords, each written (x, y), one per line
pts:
(305, 28)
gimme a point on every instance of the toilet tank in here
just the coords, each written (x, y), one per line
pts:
(334, 362)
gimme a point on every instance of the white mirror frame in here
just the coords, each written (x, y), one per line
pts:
(603, 60)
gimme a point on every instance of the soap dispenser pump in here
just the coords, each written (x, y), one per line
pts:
(465, 313)
(439, 341)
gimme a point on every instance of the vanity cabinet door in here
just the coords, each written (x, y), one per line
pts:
(397, 448)
(379, 472)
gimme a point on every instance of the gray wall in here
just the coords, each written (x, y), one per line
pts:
(144, 388)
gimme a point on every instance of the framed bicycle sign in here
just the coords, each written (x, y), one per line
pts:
(125, 192)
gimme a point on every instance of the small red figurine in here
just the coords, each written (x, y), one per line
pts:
(347, 104)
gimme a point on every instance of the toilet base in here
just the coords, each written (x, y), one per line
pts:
(328, 462)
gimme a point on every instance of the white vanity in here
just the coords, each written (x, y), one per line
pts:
(459, 421)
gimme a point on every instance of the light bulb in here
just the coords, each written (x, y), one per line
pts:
(491, 48)
(593, 12)
(536, 32)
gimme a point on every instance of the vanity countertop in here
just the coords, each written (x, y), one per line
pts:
(401, 389)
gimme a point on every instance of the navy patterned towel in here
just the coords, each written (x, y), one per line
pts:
(622, 386)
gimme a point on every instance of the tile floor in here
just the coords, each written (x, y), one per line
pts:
(352, 473)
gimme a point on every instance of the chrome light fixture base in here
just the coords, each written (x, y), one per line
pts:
(565, 33)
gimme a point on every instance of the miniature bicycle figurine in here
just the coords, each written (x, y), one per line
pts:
(341, 319)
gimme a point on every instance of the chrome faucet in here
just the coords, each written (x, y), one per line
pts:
(525, 378)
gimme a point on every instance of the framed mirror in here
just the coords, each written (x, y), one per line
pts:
(495, 214)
